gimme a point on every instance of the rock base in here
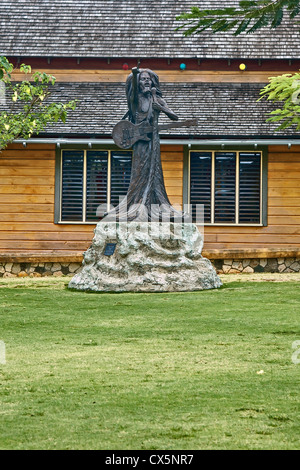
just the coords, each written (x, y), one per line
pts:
(147, 257)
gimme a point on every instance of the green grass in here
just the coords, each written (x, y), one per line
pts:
(149, 371)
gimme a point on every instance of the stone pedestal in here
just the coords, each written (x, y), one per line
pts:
(145, 257)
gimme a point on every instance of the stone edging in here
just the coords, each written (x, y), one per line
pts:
(257, 265)
(222, 266)
(38, 269)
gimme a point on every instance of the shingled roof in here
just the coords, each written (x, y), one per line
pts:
(128, 28)
(222, 109)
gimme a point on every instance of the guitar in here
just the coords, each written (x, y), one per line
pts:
(125, 133)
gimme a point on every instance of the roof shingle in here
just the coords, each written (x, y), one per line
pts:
(222, 109)
(128, 28)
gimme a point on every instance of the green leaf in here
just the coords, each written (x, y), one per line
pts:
(295, 12)
(277, 18)
(248, 4)
(243, 26)
(31, 95)
(262, 21)
(63, 117)
(261, 13)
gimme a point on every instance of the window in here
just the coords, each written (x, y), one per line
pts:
(228, 184)
(91, 181)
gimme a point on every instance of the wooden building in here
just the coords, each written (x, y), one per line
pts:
(246, 174)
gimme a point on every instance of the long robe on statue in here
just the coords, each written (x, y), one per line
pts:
(146, 198)
(147, 257)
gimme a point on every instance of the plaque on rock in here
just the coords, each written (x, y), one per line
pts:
(109, 249)
(168, 261)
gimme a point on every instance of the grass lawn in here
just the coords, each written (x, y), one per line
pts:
(177, 371)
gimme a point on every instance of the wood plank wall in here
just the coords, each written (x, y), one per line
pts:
(283, 230)
(168, 76)
(172, 164)
(27, 181)
(27, 204)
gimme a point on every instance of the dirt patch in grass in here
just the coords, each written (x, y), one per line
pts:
(35, 283)
(261, 277)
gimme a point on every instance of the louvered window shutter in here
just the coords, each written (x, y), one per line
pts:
(72, 185)
(225, 174)
(249, 187)
(231, 181)
(120, 176)
(200, 183)
(96, 185)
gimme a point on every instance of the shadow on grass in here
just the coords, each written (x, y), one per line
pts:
(230, 285)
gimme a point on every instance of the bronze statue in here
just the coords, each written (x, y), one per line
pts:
(146, 197)
(167, 258)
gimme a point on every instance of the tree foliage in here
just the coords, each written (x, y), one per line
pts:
(28, 111)
(285, 90)
(247, 18)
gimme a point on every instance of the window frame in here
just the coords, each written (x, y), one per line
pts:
(186, 177)
(58, 179)
(238, 150)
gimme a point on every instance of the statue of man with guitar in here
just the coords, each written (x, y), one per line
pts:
(146, 198)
